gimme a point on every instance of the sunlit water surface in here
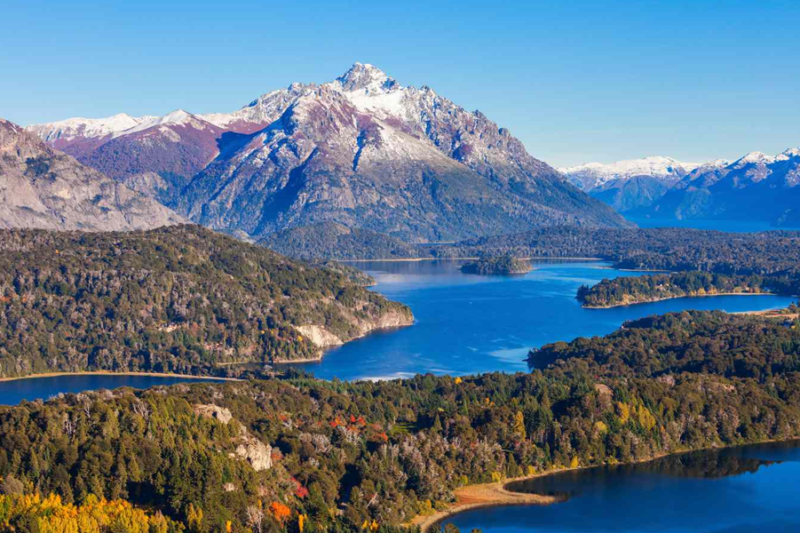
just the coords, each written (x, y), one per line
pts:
(465, 324)
(748, 489)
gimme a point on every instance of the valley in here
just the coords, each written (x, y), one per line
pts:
(273, 289)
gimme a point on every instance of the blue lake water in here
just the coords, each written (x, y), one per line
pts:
(13, 392)
(465, 324)
(738, 490)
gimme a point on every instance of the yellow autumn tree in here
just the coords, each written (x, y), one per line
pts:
(95, 515)
(519, 425)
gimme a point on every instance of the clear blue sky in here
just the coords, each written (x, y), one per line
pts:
(576, 81)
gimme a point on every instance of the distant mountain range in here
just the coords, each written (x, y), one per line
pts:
(592, 176)
(43, 188)
(755, 187)
(362, 151)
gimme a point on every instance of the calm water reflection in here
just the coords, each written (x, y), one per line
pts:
(468, 324)
(465, 324)
(745, 489)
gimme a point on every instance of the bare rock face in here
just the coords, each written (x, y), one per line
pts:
(223, 414)
(319, 336)
(43, 188)
(249, 448)
(258, 454)
(362, 151)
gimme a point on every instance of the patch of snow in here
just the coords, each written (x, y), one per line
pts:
(86, 127)
(756, 157)
(791, 153)
(390, 103)
(178, 117)
(596, 174)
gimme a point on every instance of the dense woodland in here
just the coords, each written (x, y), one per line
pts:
(713, 343)
(329, 240)
(497, 265)
(354, 456)
(774, 255)
(630, 290)
(673, 249)
(178, 299)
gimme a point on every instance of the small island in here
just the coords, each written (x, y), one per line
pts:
(503, 265)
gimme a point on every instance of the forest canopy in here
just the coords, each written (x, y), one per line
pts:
(179, 299)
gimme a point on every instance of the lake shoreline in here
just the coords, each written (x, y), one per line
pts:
(679, 297)
(111, 373)
(419, 259)
(499, 495)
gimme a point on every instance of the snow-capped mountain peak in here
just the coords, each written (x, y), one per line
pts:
(86, 127)
(179, 117)
(756, 157)
(367, 78)
(591, 175)
(791, 153)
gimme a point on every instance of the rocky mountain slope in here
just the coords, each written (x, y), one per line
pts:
(756, 187)
(362, 151)
(43, 188)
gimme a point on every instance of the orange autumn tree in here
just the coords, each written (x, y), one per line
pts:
(279, 511)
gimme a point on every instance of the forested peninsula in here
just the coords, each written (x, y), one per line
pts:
(303, 455)
(180, 299)
(652, 288)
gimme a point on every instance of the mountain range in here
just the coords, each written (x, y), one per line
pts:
(362, 151)
(755, 187)
(43, 188)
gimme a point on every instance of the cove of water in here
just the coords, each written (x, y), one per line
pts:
(13, 392)
(467, 324)
(737, 490)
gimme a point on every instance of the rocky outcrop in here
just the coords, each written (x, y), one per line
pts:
(255, 452)
(319, 336)
(216, 412)
(249, 448)
(43, 188)
(323, 339)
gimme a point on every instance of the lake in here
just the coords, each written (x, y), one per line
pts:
(737, 490)
(465, 324)
(13, 392)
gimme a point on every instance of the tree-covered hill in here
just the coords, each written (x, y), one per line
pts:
(713, 343)
(651, 288)
(178, 299)
(263, 454)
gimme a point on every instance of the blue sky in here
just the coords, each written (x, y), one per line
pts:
(575, 81)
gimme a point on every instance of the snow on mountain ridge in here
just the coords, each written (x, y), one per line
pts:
(179, 117)
(86, 127)
(593, 175)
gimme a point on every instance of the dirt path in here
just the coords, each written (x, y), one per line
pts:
(484, 495)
